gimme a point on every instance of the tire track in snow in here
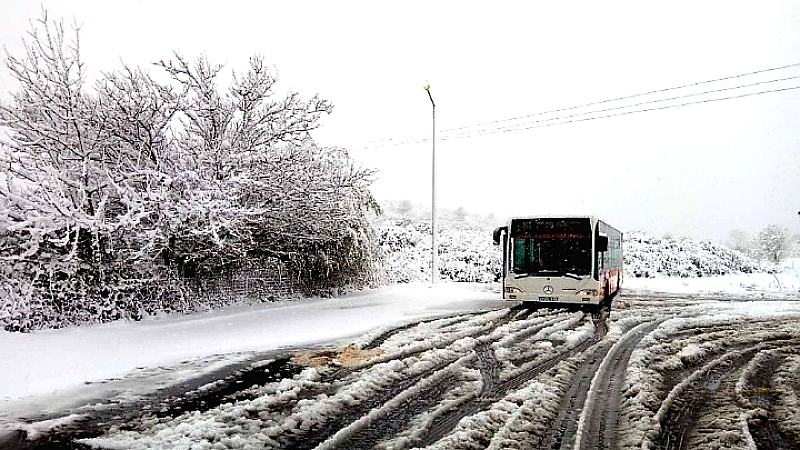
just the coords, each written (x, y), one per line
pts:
(448, 422)
(564, 427)
(381, 338)
(490, 374)
(349, 424)
(676, 363)
(387, 419)
(334, 377)
(388, 422)
(528, 374)
(197, 394)
(685, 401)
(597, 425)
(315, 435)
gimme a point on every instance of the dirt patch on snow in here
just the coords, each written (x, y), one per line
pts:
(350, 356)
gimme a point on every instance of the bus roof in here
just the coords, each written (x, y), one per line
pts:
(592, 217)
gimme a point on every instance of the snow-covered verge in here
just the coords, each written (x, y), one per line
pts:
(784, 279)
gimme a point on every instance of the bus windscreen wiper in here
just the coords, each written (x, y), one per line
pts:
(561, 273)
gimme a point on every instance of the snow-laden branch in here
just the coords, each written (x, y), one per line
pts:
(133, 178)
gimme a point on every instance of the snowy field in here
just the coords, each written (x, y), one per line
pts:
(51, 378)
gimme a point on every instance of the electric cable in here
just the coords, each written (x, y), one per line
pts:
(560, 120)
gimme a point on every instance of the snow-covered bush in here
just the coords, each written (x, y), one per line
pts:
(466, 252)
(106, 192)
(649, 257)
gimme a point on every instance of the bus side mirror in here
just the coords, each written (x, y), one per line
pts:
(497, 234)
(602, 243)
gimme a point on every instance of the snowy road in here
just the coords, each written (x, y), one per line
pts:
(659, 371)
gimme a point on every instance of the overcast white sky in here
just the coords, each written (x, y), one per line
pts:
(699, 170)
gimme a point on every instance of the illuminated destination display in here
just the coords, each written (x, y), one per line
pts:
(568, 228)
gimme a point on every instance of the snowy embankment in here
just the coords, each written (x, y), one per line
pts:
(650, 257)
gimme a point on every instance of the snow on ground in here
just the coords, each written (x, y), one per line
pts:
(53, 370)
(49, 369)
(785, 282)
(514, 418)
(746, 325)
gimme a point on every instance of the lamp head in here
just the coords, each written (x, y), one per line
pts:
(426, 86)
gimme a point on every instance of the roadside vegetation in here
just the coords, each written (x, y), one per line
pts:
(120, 197)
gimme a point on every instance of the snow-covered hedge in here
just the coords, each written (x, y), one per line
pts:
(108, 189)
(649, 257)
(466, 253)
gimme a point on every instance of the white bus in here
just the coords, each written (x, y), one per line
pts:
(552, 261)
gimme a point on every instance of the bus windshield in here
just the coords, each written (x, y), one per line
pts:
(551, 247)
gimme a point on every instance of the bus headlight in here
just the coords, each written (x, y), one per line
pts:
(512, 290)
(592, 292)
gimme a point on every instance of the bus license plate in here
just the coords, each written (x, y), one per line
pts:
(548, 299)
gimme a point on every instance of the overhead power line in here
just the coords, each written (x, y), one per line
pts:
(572, 118)
(479, 129)
(523, 126)
(628, 97)
(542, 125)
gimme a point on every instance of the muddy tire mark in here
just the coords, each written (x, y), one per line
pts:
(765, 431)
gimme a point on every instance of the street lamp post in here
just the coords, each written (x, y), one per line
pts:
(434, 249)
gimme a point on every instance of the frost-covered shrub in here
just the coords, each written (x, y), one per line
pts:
(108, 190)
(465, 250)
(649, 257)
(466, 253)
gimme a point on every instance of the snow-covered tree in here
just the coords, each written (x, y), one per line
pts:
(59, 168)
(774, 241)
(105, 190)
